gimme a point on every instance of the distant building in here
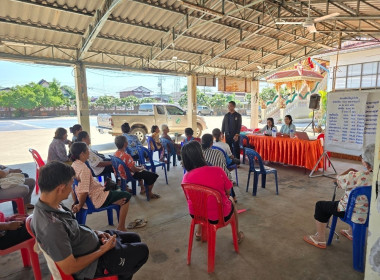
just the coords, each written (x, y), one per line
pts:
(5, 89)
(46, 84)
(139, 92)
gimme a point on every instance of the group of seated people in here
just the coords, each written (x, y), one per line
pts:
(285, 128)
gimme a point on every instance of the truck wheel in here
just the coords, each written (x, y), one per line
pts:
(140, 133)
(199, 113)
(211, 113)
(199, 130)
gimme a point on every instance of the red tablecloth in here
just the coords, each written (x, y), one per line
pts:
(287, 150)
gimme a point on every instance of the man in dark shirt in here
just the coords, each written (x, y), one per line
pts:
(231, 128)
(77, 249)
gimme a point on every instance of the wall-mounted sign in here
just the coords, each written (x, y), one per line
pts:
(206, 81)
(234, 84)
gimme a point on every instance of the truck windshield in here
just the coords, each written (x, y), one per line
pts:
(172, 110)
(146, 108)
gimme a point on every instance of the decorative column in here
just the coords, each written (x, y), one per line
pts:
(81, 96)
(254, 103)
(192, 102)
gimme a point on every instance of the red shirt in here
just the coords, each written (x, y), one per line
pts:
(215, 178)
(128, 160)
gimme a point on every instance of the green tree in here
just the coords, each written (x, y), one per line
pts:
(247, 98)
(202, 99)
(218, 101)
(71, 91)
(148, 100)
(184, 89)
(268, 93)
(106, 101)
(130, 101)
(21, 98)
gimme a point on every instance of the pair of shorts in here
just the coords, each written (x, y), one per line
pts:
(325, 209)
(226, 218)
(149, 177)
(115, 196)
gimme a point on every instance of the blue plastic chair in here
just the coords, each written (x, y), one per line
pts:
(92, 172)
(165, 143)
(260, 169)
(359, 231)
(82, 214)
(231, 166)
(151, 142)
(152, 164)
(242, 147)
(116, 162)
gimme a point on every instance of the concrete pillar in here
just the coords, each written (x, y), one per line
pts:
(83, 112)
(254, 104)
(263, 115)
(282, 114)
(192, 102)
(372, 266)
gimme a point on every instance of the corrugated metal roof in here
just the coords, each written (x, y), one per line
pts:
(139, 34)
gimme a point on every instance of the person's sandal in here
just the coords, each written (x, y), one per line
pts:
(310, 239)
(198, 237)
(345, 233)
(240, 237)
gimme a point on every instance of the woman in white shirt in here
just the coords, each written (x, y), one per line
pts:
(288, 126)
(267, 130)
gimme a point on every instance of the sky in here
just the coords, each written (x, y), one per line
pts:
(99, 82)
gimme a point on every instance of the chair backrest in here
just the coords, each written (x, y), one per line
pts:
(244, 141)
(199, 197)
(37, 158)
(322, 135)
(220, 149)
(165, 142)
(89, 167)
(354, 194)
(197, 139)
(142, 152)
(252, 156)
(243, 128)
(116, 162)
(89, 204)
(54, 269)
(151, 143)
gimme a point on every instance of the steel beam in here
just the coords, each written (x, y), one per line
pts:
(97, 23)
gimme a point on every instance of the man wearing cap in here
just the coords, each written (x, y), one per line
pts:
(231, 127)
(347, 181)
(77, 249)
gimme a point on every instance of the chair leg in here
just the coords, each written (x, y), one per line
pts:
(236, 175)
(211, 248)
(191, 236)
(37, 186)
(234, 234)
(255, 183)
(20, 206)
(358, 244)
(118, 214)
(275, 178)
(147, 192)
(249, 176)
(25, 257)
(81, 216)
(110, 217)
(263, 180)
(166, 175)
(243, 155)
(332, 230)
(35, 263)
(133, 187)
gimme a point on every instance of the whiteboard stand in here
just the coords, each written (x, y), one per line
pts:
(323, 157)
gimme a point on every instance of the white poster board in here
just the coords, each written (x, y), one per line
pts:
(351, 120)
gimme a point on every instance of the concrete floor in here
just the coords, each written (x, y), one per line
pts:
(273, 226)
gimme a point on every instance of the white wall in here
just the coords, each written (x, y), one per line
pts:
(346, 58)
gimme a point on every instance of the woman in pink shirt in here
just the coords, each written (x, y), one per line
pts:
(199, 173)
(88, 186)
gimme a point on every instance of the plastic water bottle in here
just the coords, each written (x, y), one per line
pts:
(291, 134)
(274, 132)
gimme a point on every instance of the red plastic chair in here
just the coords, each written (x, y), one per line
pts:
(39, 163)
(322, 136)
(55, 267)
(29, 256)
(199, 196)
(256, 130)
(19, 201)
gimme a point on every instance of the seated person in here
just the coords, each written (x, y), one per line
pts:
(133, 141)
(209, 176)
(156, 138)
(215, 158)
(218, 136)
(189, 135)
(75, 130)
(138, 172)
(173, 148)
(267, 130)
(24, 189)
(98, 163)
(57, 149)
(77, 249)
(348, 180)
(288, 126)
(88, 186)
(12, 231)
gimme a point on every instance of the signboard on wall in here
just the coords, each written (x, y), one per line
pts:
(234, 84)
(206, 81)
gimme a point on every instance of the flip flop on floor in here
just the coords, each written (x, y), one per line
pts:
(345, 233)
(154, 195)
(138, 223)
(310, 239)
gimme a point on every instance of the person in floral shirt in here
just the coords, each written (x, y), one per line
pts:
(347, 181)
(133, 141)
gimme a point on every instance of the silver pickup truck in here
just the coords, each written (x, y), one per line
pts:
(149, 114)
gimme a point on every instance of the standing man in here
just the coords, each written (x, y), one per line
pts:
(231, 128)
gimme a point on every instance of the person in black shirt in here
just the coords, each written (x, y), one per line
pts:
(231, 128)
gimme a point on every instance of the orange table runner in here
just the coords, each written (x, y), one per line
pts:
(287, 150)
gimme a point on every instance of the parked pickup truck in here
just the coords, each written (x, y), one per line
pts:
(149, 114)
